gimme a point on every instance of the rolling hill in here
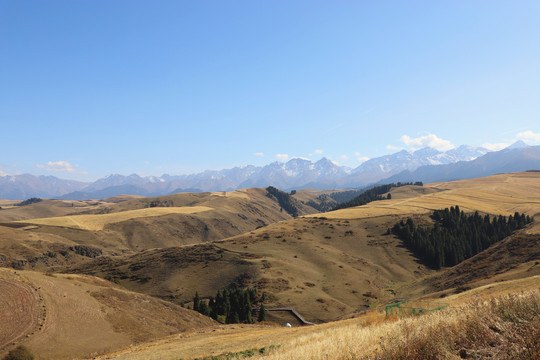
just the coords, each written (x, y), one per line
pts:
(98, 259)
(324, 265)
(74, 316)
(53, 232)
(470, 328)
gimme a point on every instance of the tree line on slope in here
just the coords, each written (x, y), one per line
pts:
(231, 306)
(456, 236)
(284, 199)
(372, 194)
(29, 201)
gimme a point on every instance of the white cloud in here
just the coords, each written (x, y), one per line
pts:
(344, 157)
(318, 151)
(60, 166)
(362, 159)
(496, 146)
(529, 135)
(282, 157)
(392, 147)
(430, 140)
(357, 154)
(258, 154)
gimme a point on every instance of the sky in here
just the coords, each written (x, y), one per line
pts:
(90, 88)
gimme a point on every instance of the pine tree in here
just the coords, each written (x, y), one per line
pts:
(196, 301)
(455, 236)
(262, 313)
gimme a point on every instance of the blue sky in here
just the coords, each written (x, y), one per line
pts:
(94, 87)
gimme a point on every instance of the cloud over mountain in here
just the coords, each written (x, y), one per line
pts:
(60, 166)
(430, 140)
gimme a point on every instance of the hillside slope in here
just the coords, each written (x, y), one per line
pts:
(324, 265)
(127, 224)
(371, 336)
(517, 256)
(80, 316)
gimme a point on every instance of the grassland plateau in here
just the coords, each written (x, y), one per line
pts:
(128, 263)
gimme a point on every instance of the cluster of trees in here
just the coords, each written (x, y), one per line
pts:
(284, 199)
(231, 306)
(372, 194)
(456, 236)
(344, 196)
(324, 203)
(29, 201)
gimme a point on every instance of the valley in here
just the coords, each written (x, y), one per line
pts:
(107, 260)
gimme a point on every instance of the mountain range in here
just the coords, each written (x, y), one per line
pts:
(425, 165)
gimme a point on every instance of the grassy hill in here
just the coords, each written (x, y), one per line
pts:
(503, 326)
(75, 316)
(128, 224)
(45, 208)
(517, 256)
(324, 265)
(327, 266)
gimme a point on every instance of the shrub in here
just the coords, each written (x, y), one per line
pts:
(19, 353)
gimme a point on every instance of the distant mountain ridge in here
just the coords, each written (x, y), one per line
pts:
(512, 159)
(294, 174)
(20, 187)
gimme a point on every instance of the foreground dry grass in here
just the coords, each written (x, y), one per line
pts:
(507, 327)
(61, 316)
(500, 321)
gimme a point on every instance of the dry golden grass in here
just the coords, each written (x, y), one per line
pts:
(98, 222)
(157, 222)
(481, 323)
(495, 289)
(505, 327)
(45, 208)
(499, 194)
(324, 266)
(83, 316)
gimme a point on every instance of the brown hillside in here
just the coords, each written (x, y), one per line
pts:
(143, 223)
(24, 249)
(44, 208)
(517, 256)
(323, 268)
(81, 316)
(499, 194)
(363, 336)
(324, 265)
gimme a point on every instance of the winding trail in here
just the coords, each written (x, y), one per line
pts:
(19, 311)
(296, 315)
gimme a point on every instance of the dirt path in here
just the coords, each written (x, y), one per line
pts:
(19, 310)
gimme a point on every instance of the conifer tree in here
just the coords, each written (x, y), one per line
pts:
(196, 301)
(262, 313)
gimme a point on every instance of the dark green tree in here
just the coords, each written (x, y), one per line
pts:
(455, 236)
(196, 301)
(262, 313)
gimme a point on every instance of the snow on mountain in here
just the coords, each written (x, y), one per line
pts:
(293, 174)
(119, 180)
